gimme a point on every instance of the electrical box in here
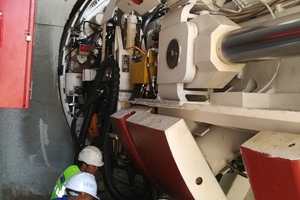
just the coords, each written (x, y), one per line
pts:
(16, 51)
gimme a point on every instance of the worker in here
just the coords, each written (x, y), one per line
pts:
(90, 158)
(81, 186)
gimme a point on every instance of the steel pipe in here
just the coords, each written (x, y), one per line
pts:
(279, 38)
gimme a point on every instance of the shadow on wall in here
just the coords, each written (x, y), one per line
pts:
(17, 192)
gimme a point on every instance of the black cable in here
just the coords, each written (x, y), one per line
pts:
(236, 170)
(147, 21)
(107, 169)
(74, 121)
(90, 23)
(91, 110)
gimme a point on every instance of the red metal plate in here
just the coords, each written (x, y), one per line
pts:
(16, 43)
(154, 150)
(272, 161)
(150, 150)
(119, 122)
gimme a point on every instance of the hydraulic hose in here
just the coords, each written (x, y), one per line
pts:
(147, 21)
(91, 109)
(105, 127)
(74, 121)
(112, 100)
(107, 172)
(138, 195)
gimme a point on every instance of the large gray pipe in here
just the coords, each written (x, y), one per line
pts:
(277, 39)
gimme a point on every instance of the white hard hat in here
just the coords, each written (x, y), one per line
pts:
(83, 182)
(91, 155)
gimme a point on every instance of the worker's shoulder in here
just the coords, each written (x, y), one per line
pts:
(72, 169)
(67, 174)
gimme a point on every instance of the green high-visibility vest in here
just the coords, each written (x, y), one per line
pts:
(59, 188)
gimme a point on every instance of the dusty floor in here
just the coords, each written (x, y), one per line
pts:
(104, 194)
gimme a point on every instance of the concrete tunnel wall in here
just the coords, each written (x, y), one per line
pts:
(35, 143)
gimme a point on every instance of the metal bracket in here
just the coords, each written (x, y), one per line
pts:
(1, 28)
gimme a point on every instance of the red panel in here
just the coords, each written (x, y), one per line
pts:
(16, 43)
(272, 176)
(120, 128)
(153, 148)
(150, 151)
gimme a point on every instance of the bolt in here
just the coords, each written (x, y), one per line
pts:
(199, 181)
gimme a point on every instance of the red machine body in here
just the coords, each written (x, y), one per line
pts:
(222, 77)
(157, 144)
(136, 146)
